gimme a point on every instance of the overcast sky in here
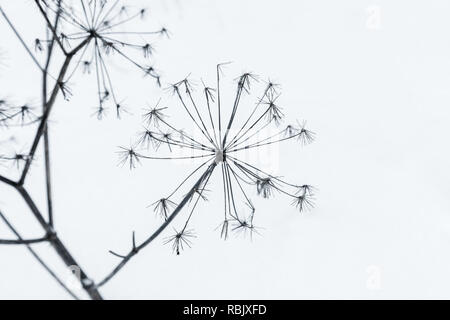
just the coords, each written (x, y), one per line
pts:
(371, 78)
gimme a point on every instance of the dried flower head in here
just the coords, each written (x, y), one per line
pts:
(304, 199)
(180, 239)
(274, 113)
(154, 116)
(129, 155)
(305, 136)
(303, 202)
(265, 187)
(99, 27)
(148, 138)
(244, 227)
(220, 149)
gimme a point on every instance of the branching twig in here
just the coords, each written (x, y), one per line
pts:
(60, 248)
(20, 39)
(136, 249)
(49, 106)
(52, 27)
(38, 258)
(97, 27)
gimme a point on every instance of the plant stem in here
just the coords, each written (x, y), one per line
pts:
(49, 106)
(57, 244)
(87, 284)
(135, 250)
(23, 241)
(44, 106)
(38, 258)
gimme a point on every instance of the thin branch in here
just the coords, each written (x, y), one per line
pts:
(49, 106)
(238, 143)
(240, 88)
(21, 40)
(23, 241)
(208, 136)
(235, 161)
(62, 251)
(260, 100)
(48, 180)
(99, 21)
(240, 186)
(44, 103)
(177, 91)
(8, 181)
(190, 175)
(209, 96)
(176, 158)
(259, 141)
(38, 258)
(183, 134)
(199, 196)
(132, 253)
(260, 144)
(49, 24)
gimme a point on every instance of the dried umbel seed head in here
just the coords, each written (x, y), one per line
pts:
(219, 148)
(98, 30)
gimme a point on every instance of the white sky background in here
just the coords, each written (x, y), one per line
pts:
(376, 95)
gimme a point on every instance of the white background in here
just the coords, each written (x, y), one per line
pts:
(377, 95)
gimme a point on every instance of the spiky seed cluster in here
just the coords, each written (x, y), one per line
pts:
(217, 139)
(12, 116)
(274, 111)
(163, 207)
(16, 160)
(304, 198)
(180, 240)
(244, 227)
(129, 156)
(265, 187)
(100, 25)
(89, 31)
(154, 116)
(305, 136)
(17, 115)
